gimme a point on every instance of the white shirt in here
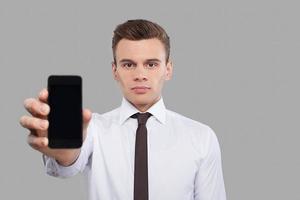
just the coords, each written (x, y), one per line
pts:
(184, 159)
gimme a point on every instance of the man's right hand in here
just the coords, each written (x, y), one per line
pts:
(38, 125)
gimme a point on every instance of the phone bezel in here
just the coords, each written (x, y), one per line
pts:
(63, 80)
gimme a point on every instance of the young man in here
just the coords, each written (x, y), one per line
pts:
(161, 155)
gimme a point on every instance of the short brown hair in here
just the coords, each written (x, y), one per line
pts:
(139, 29)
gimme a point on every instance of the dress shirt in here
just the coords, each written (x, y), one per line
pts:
(184, 158)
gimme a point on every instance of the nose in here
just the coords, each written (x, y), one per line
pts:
(140, 73)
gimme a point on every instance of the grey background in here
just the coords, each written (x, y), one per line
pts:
(235, 69)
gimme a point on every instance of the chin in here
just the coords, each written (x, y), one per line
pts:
(140, 100)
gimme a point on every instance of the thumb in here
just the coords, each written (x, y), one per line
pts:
(86, 117)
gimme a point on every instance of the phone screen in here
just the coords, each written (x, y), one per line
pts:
(65, 117)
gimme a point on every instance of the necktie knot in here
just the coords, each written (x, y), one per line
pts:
(142, 117)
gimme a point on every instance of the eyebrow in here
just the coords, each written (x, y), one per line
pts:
(126, 60)
(148, 60)
(153, 60)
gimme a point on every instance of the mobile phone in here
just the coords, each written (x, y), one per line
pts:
(65, 117)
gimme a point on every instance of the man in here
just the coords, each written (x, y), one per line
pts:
(140, 150)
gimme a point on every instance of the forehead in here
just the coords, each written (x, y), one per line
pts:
(140, 49)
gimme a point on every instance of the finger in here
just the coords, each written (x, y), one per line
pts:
(37, 142)
(34, 123)
(36, 108)
(43, 95)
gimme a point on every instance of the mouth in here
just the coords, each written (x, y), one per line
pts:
(140, 89)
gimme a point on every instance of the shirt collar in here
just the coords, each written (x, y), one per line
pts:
(158, 110)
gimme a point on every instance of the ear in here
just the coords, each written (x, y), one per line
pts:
(114, 71)
(169, 71)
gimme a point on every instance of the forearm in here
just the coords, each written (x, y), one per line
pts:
(68, 157)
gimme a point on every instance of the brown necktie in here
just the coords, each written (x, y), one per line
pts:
(141, 158)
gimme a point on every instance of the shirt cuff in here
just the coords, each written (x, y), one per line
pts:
(53, 168)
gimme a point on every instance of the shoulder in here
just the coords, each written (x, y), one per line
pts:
(199, 134)
(105, 119)
(185, 122)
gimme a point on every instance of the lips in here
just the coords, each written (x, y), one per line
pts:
(140, 89)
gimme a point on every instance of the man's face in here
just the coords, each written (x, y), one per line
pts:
(141, 71)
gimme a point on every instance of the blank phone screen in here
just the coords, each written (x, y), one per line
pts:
(65, 115)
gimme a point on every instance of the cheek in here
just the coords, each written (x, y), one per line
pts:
(123, 81)
(159, 82)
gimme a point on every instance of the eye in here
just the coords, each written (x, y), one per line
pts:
(152, 65)
(127, 65)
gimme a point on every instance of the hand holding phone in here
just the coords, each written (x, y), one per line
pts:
(37, 123)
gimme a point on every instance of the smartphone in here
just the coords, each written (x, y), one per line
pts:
(65, 117)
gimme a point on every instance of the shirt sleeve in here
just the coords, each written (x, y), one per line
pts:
(209, 183)
(53, 168)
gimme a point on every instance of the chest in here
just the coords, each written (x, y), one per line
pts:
(172, 162)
